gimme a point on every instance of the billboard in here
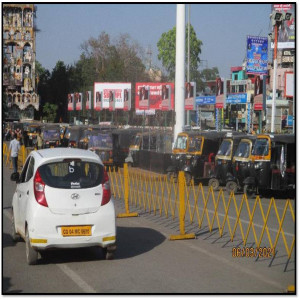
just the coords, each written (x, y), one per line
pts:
(112, 95)
(78, 101)
(189, 99)
(70, 102)
(220, 98)
(88, 100)
(257, 55)
(258, 94)
(286, 31)
(157, 96)
(289, 84)
(236, 98)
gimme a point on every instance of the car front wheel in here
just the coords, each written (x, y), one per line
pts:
(31, 254)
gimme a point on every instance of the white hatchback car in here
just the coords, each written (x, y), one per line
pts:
(63, 200)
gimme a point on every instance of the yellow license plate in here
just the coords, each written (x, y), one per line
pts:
(76, 230)
(51, 146)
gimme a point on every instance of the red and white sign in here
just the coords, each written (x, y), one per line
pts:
(78, 101)
(189, 98)
(88, 100)
(70, 102)
(220, 98)
(154, 96)
(112, 95)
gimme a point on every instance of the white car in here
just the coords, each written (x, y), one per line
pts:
(63, 200)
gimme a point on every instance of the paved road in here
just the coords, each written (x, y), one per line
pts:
(146, 262)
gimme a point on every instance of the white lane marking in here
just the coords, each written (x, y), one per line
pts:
(71, 274)
(76, 278)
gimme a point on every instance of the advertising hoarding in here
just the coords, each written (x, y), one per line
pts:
(258, 94)
(70, 102)
(112, 95)
(289, 84)
(257, 55)
(154, 96)
(205, 100)
(190, 92)
(236, 98)
(220, 99)
(78, 101)
(88, 100)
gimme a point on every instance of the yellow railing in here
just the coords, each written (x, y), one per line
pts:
(156, 194)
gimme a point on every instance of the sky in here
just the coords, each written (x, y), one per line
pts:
(223, 29)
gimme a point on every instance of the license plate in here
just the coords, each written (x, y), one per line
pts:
(76, 230)
(51, 146)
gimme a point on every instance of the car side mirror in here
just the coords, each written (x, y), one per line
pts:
(15, 177)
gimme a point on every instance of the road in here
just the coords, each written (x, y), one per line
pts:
(146, 261)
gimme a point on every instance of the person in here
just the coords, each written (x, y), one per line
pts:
(143, 94)
(165, 92)
(257, 89)
(14, 147)
(219, 86)
(188, 90)
(39, 140)
(283, 34)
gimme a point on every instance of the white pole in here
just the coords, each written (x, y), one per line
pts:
(188, 59)
(274, 97)
(179, 70)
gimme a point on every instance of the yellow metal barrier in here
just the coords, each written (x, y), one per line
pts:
(156, 194)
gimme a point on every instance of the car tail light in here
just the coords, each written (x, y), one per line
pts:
(39, 189)
(106, 189)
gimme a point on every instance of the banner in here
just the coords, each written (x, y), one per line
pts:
(88, 100)
(189, 99)
(78, 101)
(70, 102)
(286, 31)
(258, 94)
(257, 55)
(220, 94)
(236, 98)
(205, 100)
(112, 96)
(157, 96)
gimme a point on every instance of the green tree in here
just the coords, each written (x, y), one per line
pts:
(167, 50)
(50, 111)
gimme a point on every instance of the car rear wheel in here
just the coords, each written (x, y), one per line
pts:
(14, 234)
(214, 183)
(31, 254)
(109, 255)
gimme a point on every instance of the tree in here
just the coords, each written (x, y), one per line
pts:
(167, 50)
(49, 111)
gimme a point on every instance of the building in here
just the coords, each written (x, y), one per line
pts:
(19, 73)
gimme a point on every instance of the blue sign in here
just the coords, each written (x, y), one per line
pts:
(257, 55)
(236, 98)
(289, 120)
(205, 100)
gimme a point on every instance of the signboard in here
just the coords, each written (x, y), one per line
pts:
(146, 112)
(258, 94)
(154, 96)
(289, 120)
(88, 100)
(220, 99)
(289, 84)
(112, 95)
(236, 98)
(286, 31)
(70, 102)
(189, 99)
(205, 100)
(78, 101)
(257, 55)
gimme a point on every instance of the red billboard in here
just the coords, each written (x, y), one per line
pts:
(258, 94)
(158, 96)
(189, 98)
(220, 99)
(70, 102)
(78, 101)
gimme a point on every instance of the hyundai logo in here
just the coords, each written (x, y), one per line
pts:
(75, 196)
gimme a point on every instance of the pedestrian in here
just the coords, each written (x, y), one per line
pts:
(14, 147)
(39, 141)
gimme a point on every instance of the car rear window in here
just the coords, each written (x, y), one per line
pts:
(72, 174)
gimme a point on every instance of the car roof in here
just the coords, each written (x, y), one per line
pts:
(60, 153)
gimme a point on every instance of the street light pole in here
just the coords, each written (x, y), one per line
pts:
(274, 80)
(188, 59)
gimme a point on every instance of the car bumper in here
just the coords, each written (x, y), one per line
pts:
(45, 231)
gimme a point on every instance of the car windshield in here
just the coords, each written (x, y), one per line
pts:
(136, 140)
(51, 134)
(195, 144)
(243, 150)
(73, 134)
(101, 140)
(260, 147)
(225, 148)
(181, 142)
(72, 174)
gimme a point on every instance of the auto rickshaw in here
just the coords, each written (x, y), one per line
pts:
(72, 136)
(194, 153)
(240, 164)
(101, 144)
(51, 136)
(223, 160)
(32, 133)
(273, 164)
(121, 142)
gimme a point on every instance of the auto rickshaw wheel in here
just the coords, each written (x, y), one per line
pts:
(231, 186)
(249, 190)
(214, 183)
(188, 178)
